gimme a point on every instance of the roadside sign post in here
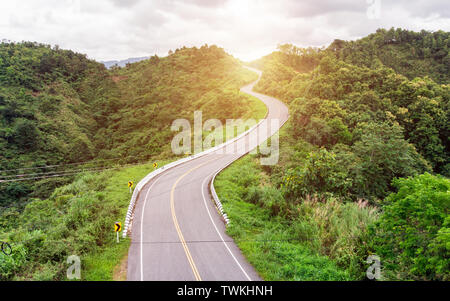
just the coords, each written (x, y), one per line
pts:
(117, 229)
(130, 185)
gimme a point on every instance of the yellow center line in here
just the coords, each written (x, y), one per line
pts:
(177, 226)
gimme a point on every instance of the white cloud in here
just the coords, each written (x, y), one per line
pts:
(116, 29)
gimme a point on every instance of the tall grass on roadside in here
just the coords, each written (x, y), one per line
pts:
(314, 241)
(77, 219)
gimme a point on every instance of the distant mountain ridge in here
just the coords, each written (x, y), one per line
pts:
(123, 63)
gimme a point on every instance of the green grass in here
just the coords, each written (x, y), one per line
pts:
(78, 219)
(258, 111)
(269, 242)
(101, 264)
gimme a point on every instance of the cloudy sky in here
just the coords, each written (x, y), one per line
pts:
(119, 29)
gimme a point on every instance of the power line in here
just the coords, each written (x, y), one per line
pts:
(69, 164)
(68, 173)
(61, 171)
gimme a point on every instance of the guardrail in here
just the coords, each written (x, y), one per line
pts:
(150, 176)
(213, 189)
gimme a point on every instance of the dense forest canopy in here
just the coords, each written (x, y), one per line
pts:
(361, 94)
(369, 118)
(52, 103)
(413, 54)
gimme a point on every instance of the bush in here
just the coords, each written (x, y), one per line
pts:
(9, 265)
(412, 236)
(321, 175)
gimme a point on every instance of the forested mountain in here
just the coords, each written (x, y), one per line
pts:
(58, 108)
(52, 103)
(419, 106)
(409, 53)
(412, 54)
(367, 139)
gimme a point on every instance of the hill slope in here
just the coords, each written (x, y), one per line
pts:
(59, 108)
(359, 167)
(413, 54)
(52, 102)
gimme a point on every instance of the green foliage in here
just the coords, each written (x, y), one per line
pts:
(412, 234)
(50, 115)
(117, 118)
(76, 220)
(382, 154)
(380, 124)
(25, 134)
(48, 106)
(410, 53)
(357, 128)
(288, 240)
(319, 122)
(157, 91)
(299, 59)
(270, 243)
(320, 175)
(363, 115)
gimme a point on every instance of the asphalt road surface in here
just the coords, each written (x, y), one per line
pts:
(177, 232)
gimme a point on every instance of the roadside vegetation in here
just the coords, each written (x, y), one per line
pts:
(77, 219)
(364, 159)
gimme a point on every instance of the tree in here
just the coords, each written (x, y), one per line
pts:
(383, 155)
(25, 134)
(413, 233)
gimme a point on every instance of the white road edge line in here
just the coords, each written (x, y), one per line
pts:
(142, 228)
(217, 230)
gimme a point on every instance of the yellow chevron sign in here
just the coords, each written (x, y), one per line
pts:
(117, 227)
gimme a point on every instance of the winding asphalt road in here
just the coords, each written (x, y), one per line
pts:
(177, 232)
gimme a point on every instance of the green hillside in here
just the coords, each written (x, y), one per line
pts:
(157, 91)
(59, 108)
(51, 106)
(364, 166)
(413, 54)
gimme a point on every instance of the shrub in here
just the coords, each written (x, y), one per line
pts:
(412, 235)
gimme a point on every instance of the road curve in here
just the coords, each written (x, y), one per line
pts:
(177, 233)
